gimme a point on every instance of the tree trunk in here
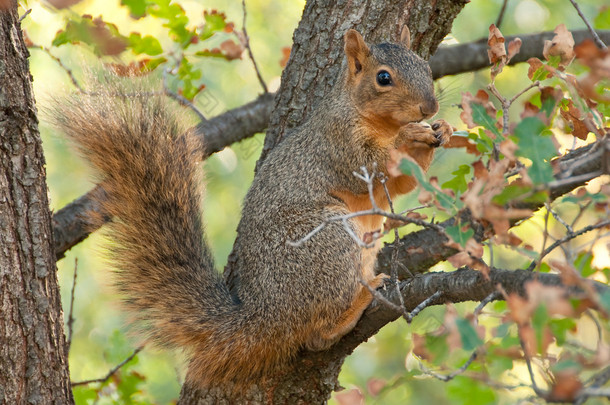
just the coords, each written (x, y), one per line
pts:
(33, 358)
(315, 60)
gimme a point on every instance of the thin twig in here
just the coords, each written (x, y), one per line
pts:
(70, 313)
(111, 372)
(565, 239)
(453, 374)
(422, 305)
(528, 362)
(596, 37)
(559, 219)
(501, 15)
(491, 297)
(61, 65)
(249, 49)
(27, 12)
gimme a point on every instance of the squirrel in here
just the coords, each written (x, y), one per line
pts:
(286, 297)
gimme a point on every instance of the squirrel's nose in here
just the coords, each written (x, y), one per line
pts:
(428, 108)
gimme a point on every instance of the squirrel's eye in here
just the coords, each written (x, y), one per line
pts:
(384, 78)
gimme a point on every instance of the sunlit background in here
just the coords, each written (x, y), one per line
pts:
(100, 342)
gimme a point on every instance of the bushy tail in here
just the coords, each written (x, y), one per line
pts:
(164, 268)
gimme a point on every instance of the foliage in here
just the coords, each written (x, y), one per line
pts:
(513, 166)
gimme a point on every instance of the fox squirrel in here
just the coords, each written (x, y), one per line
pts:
(287, 297)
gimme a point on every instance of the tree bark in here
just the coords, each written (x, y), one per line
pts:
(315, 60)
(33, 358)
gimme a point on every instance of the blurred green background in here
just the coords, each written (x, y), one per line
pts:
(100, 340)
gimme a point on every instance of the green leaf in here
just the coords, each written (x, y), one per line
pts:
(602, 21)
(84, 394)
(128, 386)
(498, 365)
(467, 391)
(469, 336)
(137, 8)
(560, 327)
(214, 22)
(540, 74)
(410, 168)
(518, 192)
(148, 45)
(540, 319)
(102, 36)
(458, 235)
(480, 117)
(584, 263)
(438, 346)
(458, 183)
(535, 144)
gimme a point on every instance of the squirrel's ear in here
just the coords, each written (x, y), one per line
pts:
(405, 37)
(355, 50)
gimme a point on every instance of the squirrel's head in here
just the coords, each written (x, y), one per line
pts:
(388, 81)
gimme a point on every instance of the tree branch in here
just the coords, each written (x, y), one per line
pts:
(457, 286)
(472, 56)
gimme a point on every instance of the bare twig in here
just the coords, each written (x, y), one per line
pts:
(422, 305)
(565, 239)
(27, 12)
(501, 15)
(111, 372)
(65, 68)
(528, 362)
(453, 374)
(491, 297)
(249, 49)
(559, 219)
(70, 313)
(596, 37)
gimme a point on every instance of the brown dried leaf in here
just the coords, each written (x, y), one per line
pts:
(416, 215)
(375, 385)
(419, 347)
(568, 274)
(63, 3)
(350, 397)
(496, 51)
(133, 69)
(232, 50)
(462, 142)
(561, 45)
(598, 61)
(390, 224)
(514, 47)
(535, 64)
(566, 386)
(573, 117)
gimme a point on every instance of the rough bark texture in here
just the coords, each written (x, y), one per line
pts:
(33, 359)
(314, 64)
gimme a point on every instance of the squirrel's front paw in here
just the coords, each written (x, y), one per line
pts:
(379, 281)
(442, 131)
(423, 134)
